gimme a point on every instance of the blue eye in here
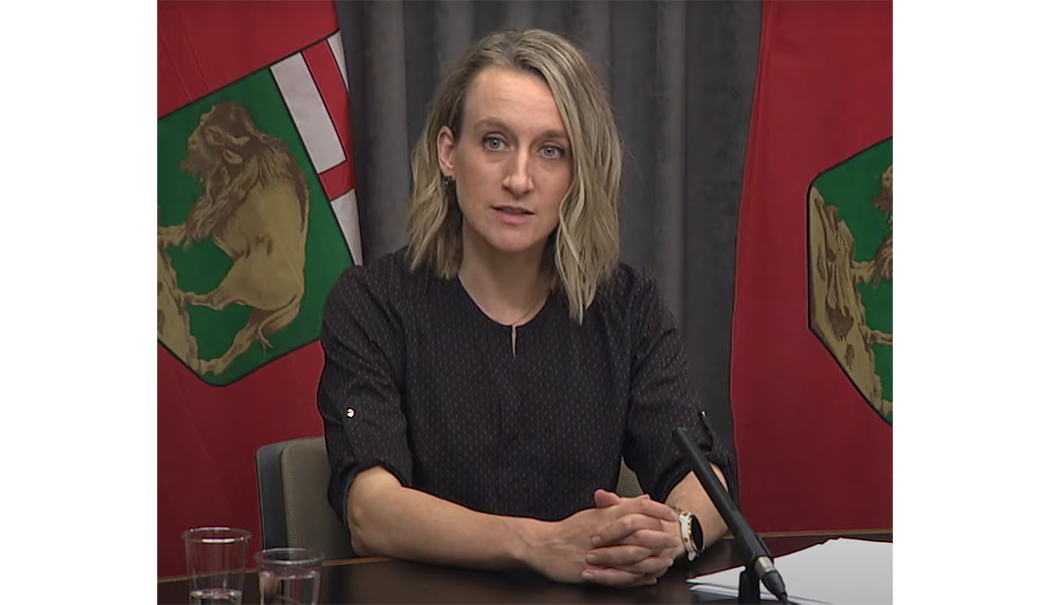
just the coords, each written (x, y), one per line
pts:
(552, 152)
(492, 143)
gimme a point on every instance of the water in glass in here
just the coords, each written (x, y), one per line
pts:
(215, 596)
(299, 587)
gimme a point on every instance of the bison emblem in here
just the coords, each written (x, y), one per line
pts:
(254, 205)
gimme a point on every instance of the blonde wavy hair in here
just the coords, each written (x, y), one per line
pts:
(584, 248)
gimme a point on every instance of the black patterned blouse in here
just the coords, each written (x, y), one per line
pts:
(419, 380)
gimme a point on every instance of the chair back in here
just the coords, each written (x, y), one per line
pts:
(293, 498)
(628, 485)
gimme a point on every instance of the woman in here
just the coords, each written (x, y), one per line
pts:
(482, 384)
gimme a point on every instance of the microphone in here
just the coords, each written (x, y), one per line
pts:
(750, 548)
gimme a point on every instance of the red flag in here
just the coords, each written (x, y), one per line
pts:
(812, 408)
(238, 358)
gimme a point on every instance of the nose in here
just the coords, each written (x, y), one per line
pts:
(518, 179)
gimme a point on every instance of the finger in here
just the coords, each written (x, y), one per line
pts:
(646, 506)
(624, 556)
(618, 556)
(625, 526)
(610, 576)
(650, 566)
(604, 499)
(631, 558)
(653, 539)
(620, 529)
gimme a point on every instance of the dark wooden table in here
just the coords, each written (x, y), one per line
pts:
(382, 580)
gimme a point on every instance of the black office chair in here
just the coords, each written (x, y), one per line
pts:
(628, 485)
(293, 498)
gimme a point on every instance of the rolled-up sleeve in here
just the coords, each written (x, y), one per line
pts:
(663, 398)
(358, 395)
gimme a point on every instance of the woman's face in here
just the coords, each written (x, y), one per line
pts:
(511, 162)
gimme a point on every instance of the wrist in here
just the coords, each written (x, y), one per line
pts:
(529, 535)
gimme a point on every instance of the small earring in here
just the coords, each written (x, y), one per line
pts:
(449, 181)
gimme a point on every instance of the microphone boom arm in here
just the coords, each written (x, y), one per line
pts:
(758, 563)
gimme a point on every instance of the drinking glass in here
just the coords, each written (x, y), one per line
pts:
(289, 575)
(215, 561)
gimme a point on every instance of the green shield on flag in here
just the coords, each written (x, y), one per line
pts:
(248, 244)
(851, 270)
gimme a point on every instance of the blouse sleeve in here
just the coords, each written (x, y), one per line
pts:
(663, 398)
(358, 396)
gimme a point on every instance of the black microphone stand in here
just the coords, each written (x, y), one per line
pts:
(748, 591)
(758, 562)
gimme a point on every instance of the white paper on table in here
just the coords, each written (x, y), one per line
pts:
(725, 592)
(841, 571)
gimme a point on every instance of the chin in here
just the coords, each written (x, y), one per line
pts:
(507, 239)
(513, 243)
(514, 247)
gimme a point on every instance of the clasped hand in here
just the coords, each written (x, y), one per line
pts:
(621, 542)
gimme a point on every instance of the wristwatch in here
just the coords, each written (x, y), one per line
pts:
(692, 533)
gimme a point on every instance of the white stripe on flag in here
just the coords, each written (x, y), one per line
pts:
(309, 112)
(345, 209)
(335, 42)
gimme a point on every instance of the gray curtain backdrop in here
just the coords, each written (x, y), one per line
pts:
(681, 76)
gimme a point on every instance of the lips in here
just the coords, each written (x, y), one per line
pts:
(513, 216)
(512, 210)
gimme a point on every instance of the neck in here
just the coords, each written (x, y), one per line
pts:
(509, 288)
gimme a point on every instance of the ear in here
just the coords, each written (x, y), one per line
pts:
(232, 157)
(446, 147)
